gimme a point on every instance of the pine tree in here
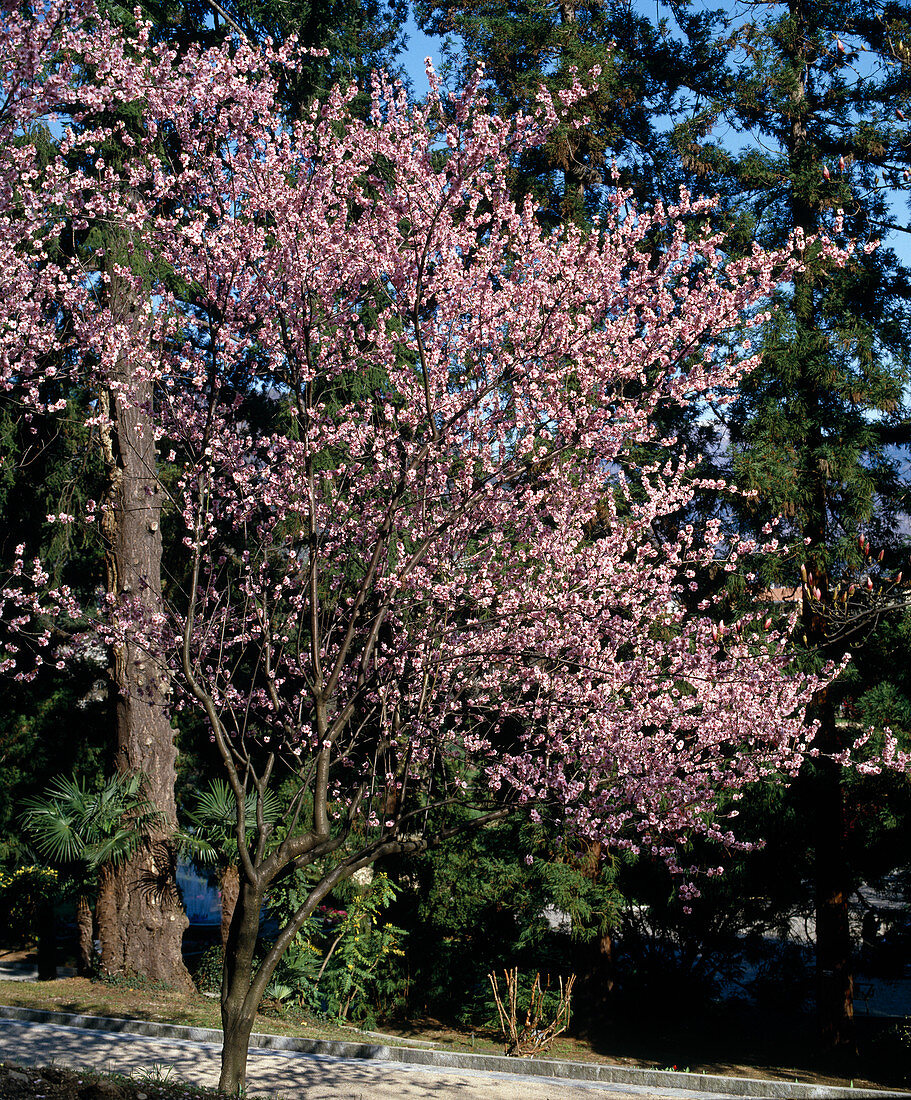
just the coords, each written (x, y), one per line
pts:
(793, 113)
(358, 35)
(814, 88)
(643, 71)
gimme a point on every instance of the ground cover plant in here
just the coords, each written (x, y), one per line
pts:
(412, 572)
(20, 1082)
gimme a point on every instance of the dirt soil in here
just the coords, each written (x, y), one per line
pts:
(54, 1083)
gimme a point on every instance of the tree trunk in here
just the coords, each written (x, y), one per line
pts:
(594, 964)
(238, 1000)
(834, 991)
(144, 919)
(47, 941)
(141, 919)
(230, 889)
(595, 957)
(834, 946)
(85, 928)
(236, 1026)
(832, 875)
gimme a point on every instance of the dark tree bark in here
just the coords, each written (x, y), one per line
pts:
(141, 917)
(594, 958)
(834, 946)
(230, 891)
(834, 968)
(47, 941)
(239, 1001)
(86, 936)
(594, 964)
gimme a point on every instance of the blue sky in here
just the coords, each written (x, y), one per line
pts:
(419, 47)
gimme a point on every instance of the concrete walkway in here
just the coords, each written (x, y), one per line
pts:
(312, 1070)
(289, 1074)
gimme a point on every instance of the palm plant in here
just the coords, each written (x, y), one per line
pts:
(213, 837)
(88, 829)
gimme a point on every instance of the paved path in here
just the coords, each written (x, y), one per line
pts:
(291, 1075)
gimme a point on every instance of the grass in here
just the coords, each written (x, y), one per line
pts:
(726, 1049)
(150, 1001)
(139, 1002)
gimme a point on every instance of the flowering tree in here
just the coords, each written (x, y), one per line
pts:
(67, 315)
(413, 572)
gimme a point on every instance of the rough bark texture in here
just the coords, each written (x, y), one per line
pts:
(142, 920)
(86, 933)
(239, 1001)
(230, 890)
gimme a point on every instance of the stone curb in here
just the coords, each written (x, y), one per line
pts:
(594, 1072)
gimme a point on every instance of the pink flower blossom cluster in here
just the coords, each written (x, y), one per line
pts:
(396, 406)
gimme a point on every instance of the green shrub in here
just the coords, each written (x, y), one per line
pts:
(342, 963)
(25, 895)
(207, 974)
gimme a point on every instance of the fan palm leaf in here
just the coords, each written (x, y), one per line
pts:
(72, 822)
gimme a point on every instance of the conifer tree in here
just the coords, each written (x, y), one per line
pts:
(814, 88)
(142, 909)
(794, 113)
(644, 74)
(359, 36)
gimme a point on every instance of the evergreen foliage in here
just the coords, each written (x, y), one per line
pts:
(645, 74)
